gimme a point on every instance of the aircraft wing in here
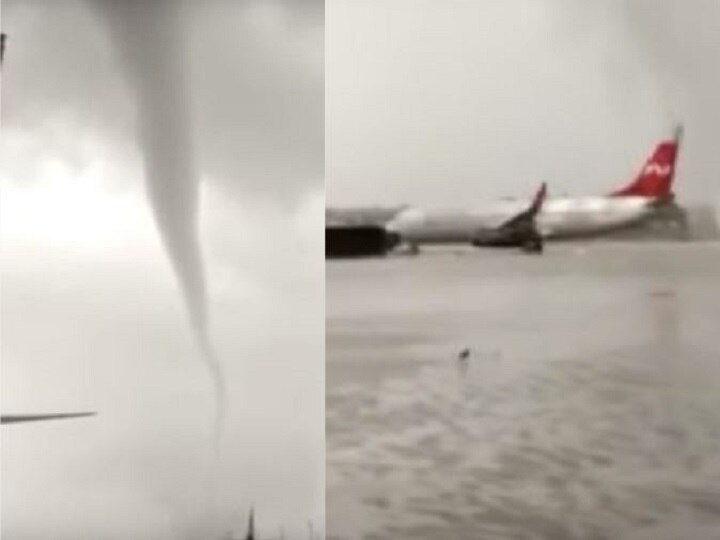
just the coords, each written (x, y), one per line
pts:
(18, 418)
(518, 231)
(528, 215)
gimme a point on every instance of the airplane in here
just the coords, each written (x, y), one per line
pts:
(19, 418)
(560, 217)
(414, 227)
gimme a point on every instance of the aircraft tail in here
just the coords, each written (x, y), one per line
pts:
(655, 178)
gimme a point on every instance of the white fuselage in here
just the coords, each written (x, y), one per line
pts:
(559, 218)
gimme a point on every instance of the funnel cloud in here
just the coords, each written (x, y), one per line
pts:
(150, 38)
(112, 109)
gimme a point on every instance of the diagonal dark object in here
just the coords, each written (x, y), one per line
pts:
(18, 418)
(518, 231)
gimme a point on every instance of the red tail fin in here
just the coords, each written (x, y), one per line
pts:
(655, 178)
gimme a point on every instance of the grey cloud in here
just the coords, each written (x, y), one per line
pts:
(105, 329)
(111, 335)
(257, 72)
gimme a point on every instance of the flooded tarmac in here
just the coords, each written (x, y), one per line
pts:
(587, 404)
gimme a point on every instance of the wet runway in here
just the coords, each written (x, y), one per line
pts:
(588, 408)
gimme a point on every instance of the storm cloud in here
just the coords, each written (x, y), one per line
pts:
(256, 75)
(91, 313)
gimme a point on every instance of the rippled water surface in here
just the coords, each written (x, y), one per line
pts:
(589, 406)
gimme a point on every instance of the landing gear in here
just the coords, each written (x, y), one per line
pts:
(392, 241)
(533, 245)
(408, 249)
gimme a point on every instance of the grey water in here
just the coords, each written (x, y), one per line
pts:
(589, 405)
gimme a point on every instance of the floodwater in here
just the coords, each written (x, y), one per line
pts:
(588, 408)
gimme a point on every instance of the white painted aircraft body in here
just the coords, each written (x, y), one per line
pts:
(561, 217)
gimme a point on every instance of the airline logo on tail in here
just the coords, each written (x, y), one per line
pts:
(655, 179)
(657, 169)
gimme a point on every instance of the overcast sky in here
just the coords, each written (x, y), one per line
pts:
(92, 318)
(434, 102)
